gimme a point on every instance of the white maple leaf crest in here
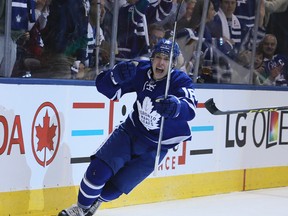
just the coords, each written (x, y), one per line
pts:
(18, 18)
(149, 118)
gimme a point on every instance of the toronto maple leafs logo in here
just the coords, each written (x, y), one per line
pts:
(148, 117)
(149, 85)
(18, 18)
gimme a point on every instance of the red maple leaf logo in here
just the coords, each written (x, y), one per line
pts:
(45, 134)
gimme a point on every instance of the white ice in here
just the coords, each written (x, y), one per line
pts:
(264, 202)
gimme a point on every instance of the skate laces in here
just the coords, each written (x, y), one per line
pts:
(74, 210)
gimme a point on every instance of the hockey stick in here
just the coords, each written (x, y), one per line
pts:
(157, 158)
(211, 107)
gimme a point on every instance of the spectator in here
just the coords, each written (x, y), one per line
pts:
(187, 40)
(216, 4)
(82, 69)
(278, 26)
(197, 15)
(155, 32)
(168, 22)
(237, 37)
(259, 67)
(134, 18)
(184, 22)
(275, 65)
(23, 11)
(274, 6)
(268, 46)
(245, 11)
(65, 36)
(275, 72)
(107, 22)
(247, 24)
(92, 31)
(196, 21)
(259, 60)
(31, 47)
(226, 24)
(66, 27)
(208, 48)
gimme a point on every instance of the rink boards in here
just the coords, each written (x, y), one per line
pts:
(48, 131)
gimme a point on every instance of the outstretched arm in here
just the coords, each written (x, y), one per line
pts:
(115, 82)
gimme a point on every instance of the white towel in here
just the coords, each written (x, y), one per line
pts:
(225, 28)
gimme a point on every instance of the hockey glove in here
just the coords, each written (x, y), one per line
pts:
(123, 72)
(169, 107)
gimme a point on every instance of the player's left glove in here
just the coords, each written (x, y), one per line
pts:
(169, 107)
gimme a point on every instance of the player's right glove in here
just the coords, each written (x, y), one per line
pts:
(123, 72)
(169, 107)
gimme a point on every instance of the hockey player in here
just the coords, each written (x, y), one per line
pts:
(127, 157)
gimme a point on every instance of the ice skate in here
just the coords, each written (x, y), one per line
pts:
(93, 208)
(74, 210)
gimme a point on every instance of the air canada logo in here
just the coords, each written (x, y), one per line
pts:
(45, 134)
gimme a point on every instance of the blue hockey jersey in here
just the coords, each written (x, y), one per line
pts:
(144, 121)
(270, 64)
(23, 11)
(245, 11)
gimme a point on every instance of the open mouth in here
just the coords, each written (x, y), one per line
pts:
(159, 70)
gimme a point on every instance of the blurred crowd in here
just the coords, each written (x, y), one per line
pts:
(221, 41)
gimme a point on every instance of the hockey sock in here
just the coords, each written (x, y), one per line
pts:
(97, 174)
(110, 192)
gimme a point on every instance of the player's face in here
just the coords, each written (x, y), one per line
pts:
(160, 64)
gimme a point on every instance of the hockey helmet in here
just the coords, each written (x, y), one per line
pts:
(164, 46)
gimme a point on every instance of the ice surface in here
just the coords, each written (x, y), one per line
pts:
(265, 202)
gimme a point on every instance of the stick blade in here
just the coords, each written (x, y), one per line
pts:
(211, 107)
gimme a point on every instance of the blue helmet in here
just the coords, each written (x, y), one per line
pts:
(164, 46)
